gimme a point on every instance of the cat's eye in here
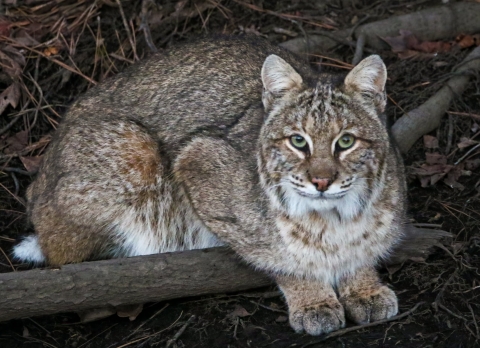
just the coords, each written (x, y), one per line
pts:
(346, 141)
(299, 142)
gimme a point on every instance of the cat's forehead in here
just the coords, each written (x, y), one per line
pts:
(328, 107)
(324, 110)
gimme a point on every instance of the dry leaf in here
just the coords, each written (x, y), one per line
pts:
(16, 142)
(472, 164)
(475, 127)
(10, 65)
(238, 312)
(95, 314)
(430, 142)
(31, 163)
(4, 27)
(10, 96)
(281, 319)
(466, 142)
(23, 38)
(407, 45)
(25, 332)
(465, 41)
(129, 311)
(435, 158)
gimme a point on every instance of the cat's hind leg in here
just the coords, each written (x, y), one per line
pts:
(98, 194)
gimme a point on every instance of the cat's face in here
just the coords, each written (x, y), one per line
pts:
(322, 147)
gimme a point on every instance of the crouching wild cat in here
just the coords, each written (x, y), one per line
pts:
(235, 141)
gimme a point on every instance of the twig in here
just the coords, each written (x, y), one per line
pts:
(439, 296)
(268, 294)
(450, 134)
(270, 308)
(359, 22)
(145, 27)
(16, 170)
(56, 61)
(119, 57)
(127, 29)
(151, 335)
(474, 320)
(466, 114)
(466, 154)
(39, 144)
(10, 124)
(91, 339)
(451, 313)
(15, 182)
(357, 57)
(359, 327)
(40, 326)
(18, 199)
(180, 332)
(146, 321)
(341, 63)
(284, 15)
(10, 262)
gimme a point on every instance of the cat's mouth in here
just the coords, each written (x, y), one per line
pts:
(321, 195)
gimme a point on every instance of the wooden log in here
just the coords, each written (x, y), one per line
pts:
(436, 23)
(110, 283)
(428, 116)
(152, 278)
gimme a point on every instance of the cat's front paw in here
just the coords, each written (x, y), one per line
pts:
(370, 305)
(318, 319)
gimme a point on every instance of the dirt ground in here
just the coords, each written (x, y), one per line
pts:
(67, 44)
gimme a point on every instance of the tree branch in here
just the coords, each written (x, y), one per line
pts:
(422, 120)
(430, 24)
(111, 283)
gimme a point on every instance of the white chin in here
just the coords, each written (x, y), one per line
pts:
(321, 195)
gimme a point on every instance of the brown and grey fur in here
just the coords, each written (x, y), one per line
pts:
(190, 149)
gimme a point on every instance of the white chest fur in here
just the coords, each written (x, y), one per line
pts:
(323, 246)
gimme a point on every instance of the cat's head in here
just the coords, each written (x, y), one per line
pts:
(324, 145)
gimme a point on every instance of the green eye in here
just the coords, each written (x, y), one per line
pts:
(346, 141)
(299, 142)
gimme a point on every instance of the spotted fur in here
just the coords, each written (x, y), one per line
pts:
(193, 148)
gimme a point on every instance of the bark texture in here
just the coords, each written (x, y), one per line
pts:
(111, 283)
(136, 280)
(427, 117)
(435, 23)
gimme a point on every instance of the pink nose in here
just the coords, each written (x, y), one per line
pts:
(321, 184)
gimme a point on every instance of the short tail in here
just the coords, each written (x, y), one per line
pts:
(29, 251)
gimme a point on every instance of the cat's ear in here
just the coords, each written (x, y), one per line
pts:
(278, 77)
(368, 79)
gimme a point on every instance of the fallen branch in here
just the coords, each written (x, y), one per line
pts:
(414, 124)
(153, 278)
(434, 23)
(111, 283)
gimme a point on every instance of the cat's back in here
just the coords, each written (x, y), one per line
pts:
(208, 84)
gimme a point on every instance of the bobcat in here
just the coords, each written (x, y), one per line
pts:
(235, 141)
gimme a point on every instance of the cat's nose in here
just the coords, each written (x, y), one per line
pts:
(321, 184)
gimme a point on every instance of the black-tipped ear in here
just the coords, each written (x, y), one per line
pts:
(368, 79)
(278, 77)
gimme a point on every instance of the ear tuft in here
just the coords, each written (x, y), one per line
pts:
(369, 76)
(278, 76)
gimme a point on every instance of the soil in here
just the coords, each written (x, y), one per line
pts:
(90, 37)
